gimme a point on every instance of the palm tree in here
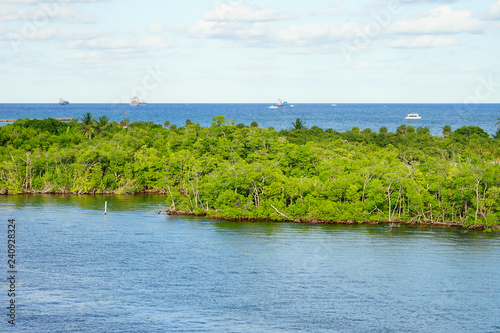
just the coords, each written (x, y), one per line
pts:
(299, 124)
(102, 122)
(401, 130)
(88, 125)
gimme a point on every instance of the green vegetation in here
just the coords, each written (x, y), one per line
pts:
(88, 125)
(447, 131)
(298, 124)
(497, 134)
(242, 172)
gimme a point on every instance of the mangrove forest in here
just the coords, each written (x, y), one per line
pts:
(235, 171)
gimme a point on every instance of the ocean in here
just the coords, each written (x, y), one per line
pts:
(339, 117)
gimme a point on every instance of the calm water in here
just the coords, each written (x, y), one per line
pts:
(137, 271)
(340, 118)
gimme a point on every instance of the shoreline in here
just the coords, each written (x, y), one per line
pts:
(392, 224)
(173, 212)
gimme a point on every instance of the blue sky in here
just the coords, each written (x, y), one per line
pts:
(209, 51)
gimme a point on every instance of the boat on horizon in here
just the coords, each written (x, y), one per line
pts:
(63, 101)
(273, 107)
(281, 103)
(413, 116)
(136, 101)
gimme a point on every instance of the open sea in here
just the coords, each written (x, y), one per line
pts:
(341, 117)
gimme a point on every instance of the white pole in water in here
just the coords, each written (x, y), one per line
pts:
(105, 207)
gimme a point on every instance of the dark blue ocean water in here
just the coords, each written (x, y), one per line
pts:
(341, 117)
(137, 271)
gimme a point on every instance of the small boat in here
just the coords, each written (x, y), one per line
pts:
(413, 116)
(273, 107)
(142, 102)
(334, 104)
(63, 102)
(291, 105)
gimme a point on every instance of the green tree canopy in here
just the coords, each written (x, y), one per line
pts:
(88, 125)
(298, 124)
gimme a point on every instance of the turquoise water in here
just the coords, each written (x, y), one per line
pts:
(137, 271)
(341, 117)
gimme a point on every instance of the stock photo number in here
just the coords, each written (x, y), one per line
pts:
(11, 271)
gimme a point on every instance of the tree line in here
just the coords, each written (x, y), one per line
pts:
(230, 170)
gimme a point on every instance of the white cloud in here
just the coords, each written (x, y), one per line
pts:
(249, 26)
(258, 28)
(10, 13)
(241, 12)
(442, 20)
(307, 34)
(52, 33)
(73, 15)
(238, 23)
(494, 11)
(241, 31)
(44, 13)
(426, 41)
(115, 43)
(326, 11)
(156, 28)
(330, 10)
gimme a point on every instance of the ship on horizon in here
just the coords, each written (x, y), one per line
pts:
(282, 103)
(136, 101)
(63, 101)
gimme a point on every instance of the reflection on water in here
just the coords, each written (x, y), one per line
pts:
(134, 270)
(118, 203)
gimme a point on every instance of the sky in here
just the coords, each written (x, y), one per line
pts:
(225, 51)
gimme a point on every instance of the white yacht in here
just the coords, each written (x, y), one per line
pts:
(413, 116)
(273, 107)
